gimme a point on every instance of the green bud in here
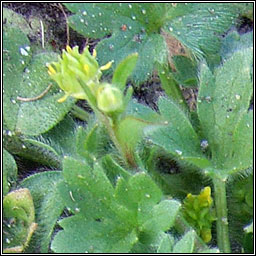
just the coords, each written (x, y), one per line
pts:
(109, 99)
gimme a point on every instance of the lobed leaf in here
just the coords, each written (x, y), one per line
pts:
(30, 80)
(110, 217)
(223, 102)
(137, 27)
(178, 136)
(186, 243)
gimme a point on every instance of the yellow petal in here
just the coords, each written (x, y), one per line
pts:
(62, 99)
(107, 66)
(68, 48)
(189, 195)
(51, 70)
(94, 53)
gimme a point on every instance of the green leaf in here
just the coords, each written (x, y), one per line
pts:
(186, 243)
(9, 171)
(165, 210)
(110, 217)
(140, 191)
(137, 27)
(26, 76)
(234, 42)
(48, 206)
(31, 149)
(13, 19)
(150, 48)
(93, 141)
(242, 152)
(166, 244)
(29, 25)
(83, 182)
(140, 111)
(90, 236)
(177, 136)
(128, 142)
(132, 31)
(46, 112)
(113, 170)
(19, 217)
(223, 102)
(124, 70)
(197, 25)
(186, 71)
(62, 137)
(170, 85)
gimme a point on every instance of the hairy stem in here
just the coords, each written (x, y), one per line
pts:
(222, 216)
(111, 131)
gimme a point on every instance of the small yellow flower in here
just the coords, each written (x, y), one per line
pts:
(73, 68)
(205, 197)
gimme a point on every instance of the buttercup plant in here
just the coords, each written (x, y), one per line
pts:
(113, 189)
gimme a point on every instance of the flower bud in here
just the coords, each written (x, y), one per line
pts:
(197, 210)
(109, 98)
(73, 68)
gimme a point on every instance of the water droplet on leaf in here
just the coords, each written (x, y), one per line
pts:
(204, 144)
(23, 52)
(178, 152)
(77, 210)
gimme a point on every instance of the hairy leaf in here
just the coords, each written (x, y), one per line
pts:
(177, 136)
(110, 217)
(48, 206)
(136, 27)
(31, 149)
(186, 243)
(9, 171)
(25, 76)
(223, 103)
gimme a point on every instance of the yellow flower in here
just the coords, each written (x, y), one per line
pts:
(205, 197)
(73, 68)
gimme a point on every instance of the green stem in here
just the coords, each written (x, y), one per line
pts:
(80, 113)
(222, 216)
(112, 134)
